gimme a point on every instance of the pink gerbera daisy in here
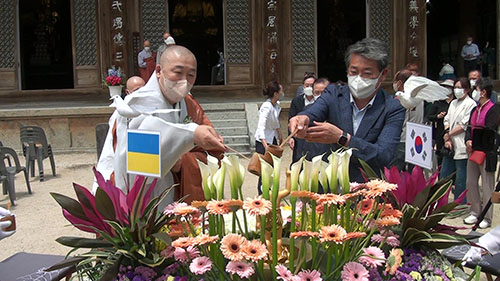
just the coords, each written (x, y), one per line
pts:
(354, 271)
(181, 254)
(168, 252)
(308, 275)
(243, 269)
(200, 265)
(372, 257)
(284, 273)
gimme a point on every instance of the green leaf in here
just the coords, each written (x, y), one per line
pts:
(105, 205)
(65, 263)
(118, 229)
(79, 242)
(163, 237)
(70, 205)
(369, 172)
(422, 197)
(112, 272)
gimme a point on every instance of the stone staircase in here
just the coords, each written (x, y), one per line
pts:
(230, 121)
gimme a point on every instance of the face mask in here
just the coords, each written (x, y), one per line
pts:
(476, 95)
(176, 90)
(169, 40)
(281, 96)
(473, 83)
(395, 86)
(308, 91)
(459, 93)
(147, 49)
(469, 42)
(362, 88)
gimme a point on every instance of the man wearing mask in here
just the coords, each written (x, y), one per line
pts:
(146, 60)
(167, 42)
(308, 81)
(474, 76)
(361, 115)
(470, 53)
(161, 105)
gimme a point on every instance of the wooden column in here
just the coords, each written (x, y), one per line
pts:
(416, 34)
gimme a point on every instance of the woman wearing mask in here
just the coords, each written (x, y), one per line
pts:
(455, 124)
(480, 163)
(268, 126)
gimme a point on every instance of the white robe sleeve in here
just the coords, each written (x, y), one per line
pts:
(491, 241)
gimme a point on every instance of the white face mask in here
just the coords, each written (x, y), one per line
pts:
(473, 83)
(395, 86)
(362, 88)
(476, 95)
(176, 90)
(169, 41)
(459, 93)
(469, 42)
(147, 49)
(281, 96)
(308, 91)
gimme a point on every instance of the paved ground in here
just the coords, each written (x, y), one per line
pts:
(40, 220)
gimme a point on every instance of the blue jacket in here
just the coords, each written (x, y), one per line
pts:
(378, 133)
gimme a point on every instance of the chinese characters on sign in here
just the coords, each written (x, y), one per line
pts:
(271, 40)
(118, 36)
(415, 28)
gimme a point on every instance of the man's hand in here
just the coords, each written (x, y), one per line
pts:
(291, 143)
(473, 255)
(468, 146)
(448, 144)
(207, 138)
(5, 224)
(300, 123)
(323, 132)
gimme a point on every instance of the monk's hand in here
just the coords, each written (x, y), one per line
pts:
(323, 132)
(207, 138)
(299, 123)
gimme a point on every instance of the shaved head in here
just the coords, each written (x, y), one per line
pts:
(176, 51)
(134, 83)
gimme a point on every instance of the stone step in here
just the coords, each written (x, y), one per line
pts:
(242, 139)
(223, 106)
(229, 123)
(232, 131)
(225, 115)
(243, 148)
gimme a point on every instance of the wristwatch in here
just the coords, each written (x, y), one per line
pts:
(343, 139)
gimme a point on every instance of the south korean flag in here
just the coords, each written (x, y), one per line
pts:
(418, 146)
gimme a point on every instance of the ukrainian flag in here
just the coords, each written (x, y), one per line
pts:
(143, 153)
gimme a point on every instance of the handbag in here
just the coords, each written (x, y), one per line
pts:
(477, 157)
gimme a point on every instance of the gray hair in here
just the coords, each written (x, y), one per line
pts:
(370, 48)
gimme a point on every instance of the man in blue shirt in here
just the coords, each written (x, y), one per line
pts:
(470, 54)
(360, 115)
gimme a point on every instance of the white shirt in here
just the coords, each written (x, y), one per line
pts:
(268, 122)
(308, 102)
(459, 115)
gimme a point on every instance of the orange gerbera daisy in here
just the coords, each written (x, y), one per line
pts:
(181, 210)
(254, 250)
(329, 199)
(202, 205)
(234, 204)
(378, 187)
(184, 242)
(218, 207)
(203, 239)
(365, 206)
(387, 221)
(354, 235)
(348, 196)
(392, 213)
(393, 267)
(333, 233)
(386, 206)
(304, 195)
(304, 234)
(231, 246)
(257, 206)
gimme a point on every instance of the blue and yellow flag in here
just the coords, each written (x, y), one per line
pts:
(143, 153)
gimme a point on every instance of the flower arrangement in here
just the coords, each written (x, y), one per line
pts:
(351, 232)
(115, 77)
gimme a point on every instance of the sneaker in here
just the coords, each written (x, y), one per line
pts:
(484, 224)
(471, 219)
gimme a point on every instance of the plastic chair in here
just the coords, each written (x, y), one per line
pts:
(35, 147)
(10, 172)
(6, 157)
(101, 131)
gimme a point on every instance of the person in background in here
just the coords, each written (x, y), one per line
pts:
(133, 84)
(455, 123)
(484, 164)
(474, 76)
(415, 115)
(436, 116)
(309, 78)
(413, 68)
(146, 60)
(470, 54)
(5, 224)
(447, 72)
(167, 42)
(268, 125)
